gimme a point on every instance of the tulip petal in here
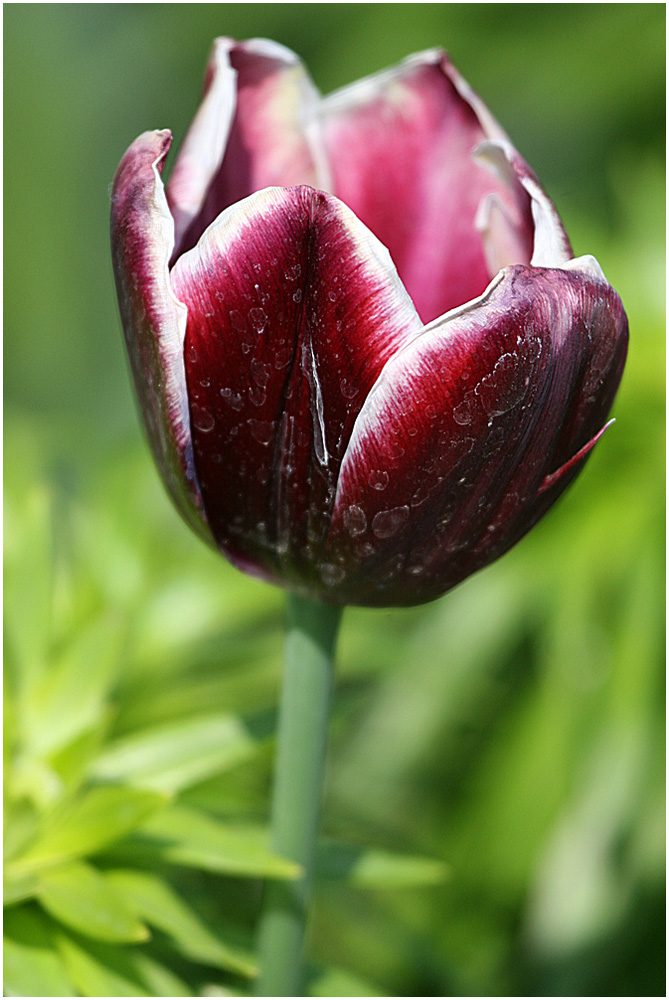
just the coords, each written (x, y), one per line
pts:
(154, 321)
(453, 456)
(293, 310)
(256, 127)
(401, 146)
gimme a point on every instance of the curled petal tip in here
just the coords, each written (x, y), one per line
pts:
(555, 477)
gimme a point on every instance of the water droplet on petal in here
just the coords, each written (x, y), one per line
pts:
(348, 388)
(262, 430)
(388, 522)
(378, 479)
(462, 413)
(202, 418)
(258, 318)
(355, 520)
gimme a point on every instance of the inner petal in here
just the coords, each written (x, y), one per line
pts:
(400, 147)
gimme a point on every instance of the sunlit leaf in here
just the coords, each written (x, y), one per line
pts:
(187, 837)
(83, 899)
(171, 757)
(70, 698)
(98, 818)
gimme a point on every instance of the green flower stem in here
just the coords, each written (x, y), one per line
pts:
(300, 761)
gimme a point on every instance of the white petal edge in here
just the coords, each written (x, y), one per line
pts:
(373, 254)
(551, 248)
(203, 148)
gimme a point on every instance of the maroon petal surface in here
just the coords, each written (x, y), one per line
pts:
(468, 436)
(400, 146)
(154, 322)
(293, 310)
(256, 127)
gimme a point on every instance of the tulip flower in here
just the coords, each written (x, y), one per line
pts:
(367, 360)
(366, 357)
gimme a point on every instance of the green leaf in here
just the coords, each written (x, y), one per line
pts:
(161, 907)
(97, 819)
(171, 757)
(70, 698)
(33, 966)
(102, 970)
(160, 980)
(183, 836)
(16, 888)
(371, 868)
(83, 898)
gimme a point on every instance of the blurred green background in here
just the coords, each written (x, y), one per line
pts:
(495, 792)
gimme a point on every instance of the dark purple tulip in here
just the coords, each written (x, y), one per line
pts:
(365, 355)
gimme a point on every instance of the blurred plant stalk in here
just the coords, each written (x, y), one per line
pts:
(312, 629)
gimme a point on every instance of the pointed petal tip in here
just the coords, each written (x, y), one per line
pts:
(555, 477)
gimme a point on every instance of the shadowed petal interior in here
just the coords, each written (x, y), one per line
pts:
(400, 145)
(256, 127)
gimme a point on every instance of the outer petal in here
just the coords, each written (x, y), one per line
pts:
(400, 145)
(256, 127)
(293, 310)
(154, 321)
(468, 436)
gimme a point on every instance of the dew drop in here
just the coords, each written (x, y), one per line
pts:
(348, 388)
(233, 399)
(282, 357)
(462, 413)
(202, 418)
(258, 319)
(257, 395)
(504, 388)
(261, 373)
(297, 295)
(355, 520)
(388, 522)
(192, 354)
(378, 479)
(262, 430)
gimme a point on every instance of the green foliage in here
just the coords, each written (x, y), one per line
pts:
(499, 752)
